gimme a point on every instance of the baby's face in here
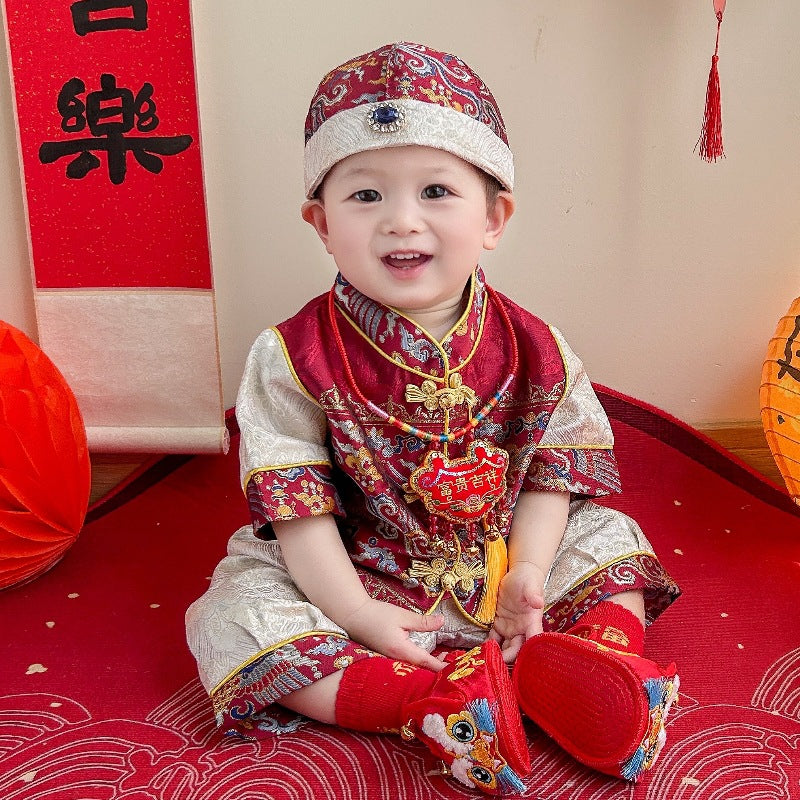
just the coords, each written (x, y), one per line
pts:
(406, 225)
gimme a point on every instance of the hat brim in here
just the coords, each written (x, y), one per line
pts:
(349, 132)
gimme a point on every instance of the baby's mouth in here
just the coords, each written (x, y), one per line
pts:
(406, 260)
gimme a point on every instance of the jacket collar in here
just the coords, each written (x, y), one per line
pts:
(403, 342)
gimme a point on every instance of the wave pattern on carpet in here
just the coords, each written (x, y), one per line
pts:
(100, 699)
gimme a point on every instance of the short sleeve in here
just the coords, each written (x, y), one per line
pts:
(285, 465)
(576, 451)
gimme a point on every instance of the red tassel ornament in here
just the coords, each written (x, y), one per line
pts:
(710, 141)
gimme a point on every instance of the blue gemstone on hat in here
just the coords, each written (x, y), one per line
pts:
(385, 115)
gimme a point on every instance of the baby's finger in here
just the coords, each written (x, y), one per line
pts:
(424, 623)
(511, 648)
(534, 628)
(420, 658)
(534, 599)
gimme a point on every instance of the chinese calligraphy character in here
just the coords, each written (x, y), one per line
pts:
(110, 113)
(89, 16)
(787, 363)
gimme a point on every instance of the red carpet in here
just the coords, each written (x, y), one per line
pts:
(100, 699)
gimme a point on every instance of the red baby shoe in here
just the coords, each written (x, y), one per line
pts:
(470, 719)
(606, 708)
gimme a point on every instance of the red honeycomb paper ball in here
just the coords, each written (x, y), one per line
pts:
(45, 475)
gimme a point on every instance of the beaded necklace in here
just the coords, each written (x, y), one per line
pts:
(463, 491)
(442, 438)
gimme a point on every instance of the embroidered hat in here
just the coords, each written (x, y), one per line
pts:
(405, 94)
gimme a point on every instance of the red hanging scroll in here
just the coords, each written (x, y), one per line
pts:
(110, 152)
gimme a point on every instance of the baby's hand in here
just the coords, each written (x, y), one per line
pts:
(384, 628)
(520, 603)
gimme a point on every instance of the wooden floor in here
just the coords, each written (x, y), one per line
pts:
(110, 469)
(745, 440)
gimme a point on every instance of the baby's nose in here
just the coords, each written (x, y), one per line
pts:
(403, 217)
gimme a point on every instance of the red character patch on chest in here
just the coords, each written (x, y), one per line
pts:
(466, 488)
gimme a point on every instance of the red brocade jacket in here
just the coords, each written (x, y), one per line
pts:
(310, 445)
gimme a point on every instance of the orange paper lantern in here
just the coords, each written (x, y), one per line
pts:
(44, 461)
(780, 398)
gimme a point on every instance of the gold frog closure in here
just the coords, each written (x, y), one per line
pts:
(445, 398)
(438, 575)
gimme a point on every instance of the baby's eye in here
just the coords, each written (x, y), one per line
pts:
(367, 196)
(434, 191)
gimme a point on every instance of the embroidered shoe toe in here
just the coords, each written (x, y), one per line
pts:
(471, 721)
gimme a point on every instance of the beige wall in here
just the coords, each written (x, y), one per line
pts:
(666, 274)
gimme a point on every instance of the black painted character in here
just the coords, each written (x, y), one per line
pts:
(111, 114)
(788, 356)
(89, 16)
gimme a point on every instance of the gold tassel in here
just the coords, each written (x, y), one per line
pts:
(496, 555)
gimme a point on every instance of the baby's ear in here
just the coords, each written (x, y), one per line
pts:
(313, 212)
(497, 218)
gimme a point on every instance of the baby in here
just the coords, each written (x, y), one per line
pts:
(419, 456)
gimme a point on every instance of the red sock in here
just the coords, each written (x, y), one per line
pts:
(374, 691)
(612, 625)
